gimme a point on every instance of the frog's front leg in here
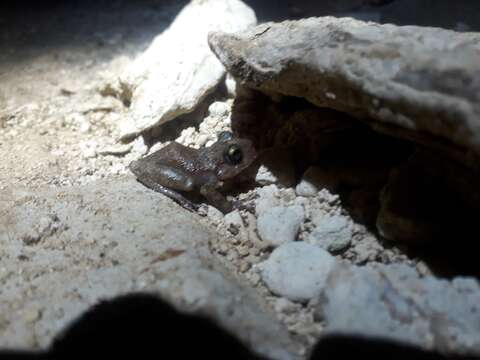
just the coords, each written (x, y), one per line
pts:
(217, 199)
(165, 180)
(175, 196)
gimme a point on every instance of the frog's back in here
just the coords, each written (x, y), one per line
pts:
(174, 154)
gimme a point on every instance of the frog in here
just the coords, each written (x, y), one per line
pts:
(177, 169)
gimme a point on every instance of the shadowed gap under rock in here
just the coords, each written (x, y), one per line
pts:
(408, 194)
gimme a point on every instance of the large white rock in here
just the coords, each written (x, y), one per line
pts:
(297, 270)
(178, 70)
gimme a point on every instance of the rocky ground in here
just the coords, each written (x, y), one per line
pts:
(303, 256)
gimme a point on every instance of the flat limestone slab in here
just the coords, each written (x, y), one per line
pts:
(425, 80)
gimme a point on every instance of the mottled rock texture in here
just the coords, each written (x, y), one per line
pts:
(413, 82)
(64, 250)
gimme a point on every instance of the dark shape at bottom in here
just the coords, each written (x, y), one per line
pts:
(142, 326)
(336, 346)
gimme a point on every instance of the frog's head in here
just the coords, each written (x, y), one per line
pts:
(234, 155)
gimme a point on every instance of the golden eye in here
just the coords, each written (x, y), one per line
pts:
(233, 154)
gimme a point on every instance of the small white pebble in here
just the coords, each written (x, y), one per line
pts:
(330, 95)
(218, 109)
(279, 225)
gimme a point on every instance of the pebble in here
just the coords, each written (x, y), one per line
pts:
(244, 267)
(279, 225)
(214, 214)
(266, 198)
(233, 218)
(202, 140)
(297, 271)
(243, 251)
(218, 109)
(332, 233)
(88, 149)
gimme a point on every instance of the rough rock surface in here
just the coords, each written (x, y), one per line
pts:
(178, 70)
(332, 233)
(393, 301)
(124, 238)
(408, 77)
(297, 270)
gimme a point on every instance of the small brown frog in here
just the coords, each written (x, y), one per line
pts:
(177, 168)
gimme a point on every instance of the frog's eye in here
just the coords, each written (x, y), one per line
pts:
(224, 136)
(233, 154)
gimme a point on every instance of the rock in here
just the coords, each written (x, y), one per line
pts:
(297, 270)
(234, 222)
(215, 215)
(266, 198)
(276, 167)
(313, 180)
(112, 238)
(427, 312)
(332, 233)
(409, 78)
(178, 70)
(279, 225)
(233, 218)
